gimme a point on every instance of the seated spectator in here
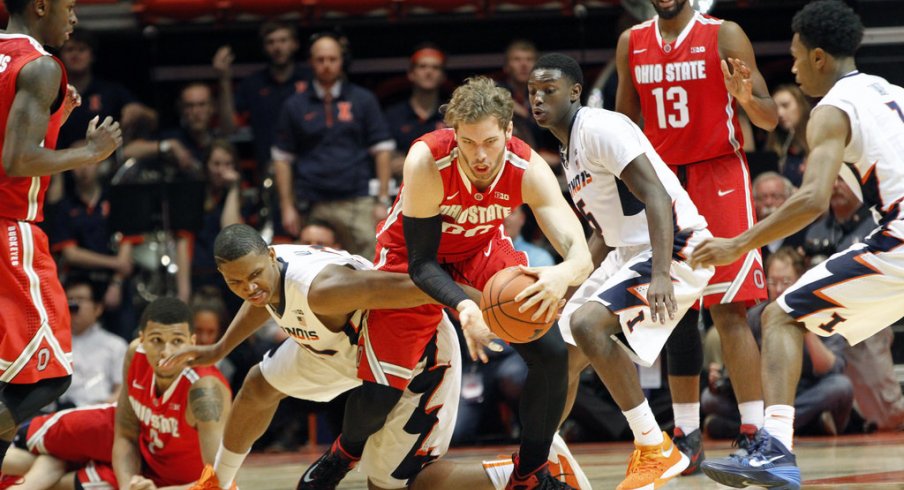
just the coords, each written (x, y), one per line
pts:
(319, 233)
(211, 318)
(410, 119)
(771, 190)
(190, 143)
(222, 207)
(825, 396)
(847, 222)
(789, 140)
(82, 235)
(537, 256)
(96, 353)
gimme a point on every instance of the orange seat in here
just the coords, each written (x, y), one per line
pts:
(265, 8)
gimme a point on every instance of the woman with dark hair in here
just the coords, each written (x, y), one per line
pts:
(789, 140)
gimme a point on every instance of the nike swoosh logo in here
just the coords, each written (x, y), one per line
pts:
(669, 452)
(638, 51)
(489, 249)
(756, 463)
(647, 432)
(725, 193)
(307, 475)
(137, 386)
(452, 196)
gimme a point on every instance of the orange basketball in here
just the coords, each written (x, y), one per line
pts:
(500, 310)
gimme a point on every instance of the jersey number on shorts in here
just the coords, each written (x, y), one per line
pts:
(678, 116)
(43, 358)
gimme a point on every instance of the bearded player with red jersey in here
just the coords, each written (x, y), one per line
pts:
(446, 226)
(682, 76)
(35, 100)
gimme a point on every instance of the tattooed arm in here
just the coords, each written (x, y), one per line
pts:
(209, 401)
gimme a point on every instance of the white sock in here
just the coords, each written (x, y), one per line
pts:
(643, 425)
(780, 423)
(752, 413)
(687, 416)
(227, 465)
(499, 471)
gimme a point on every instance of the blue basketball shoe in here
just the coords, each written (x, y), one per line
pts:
(768, 463)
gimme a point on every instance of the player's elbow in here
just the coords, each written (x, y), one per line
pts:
(14, 164)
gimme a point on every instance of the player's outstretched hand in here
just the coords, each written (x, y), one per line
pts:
(72, 100)
(103, 140)
(549, 289)
(738, 80)
(715, 251)
(661, 297)
(193, 355)
(477, 334)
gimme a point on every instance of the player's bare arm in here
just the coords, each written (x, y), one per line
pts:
(827, 134)
(37, 89)
(337, 291)
(126, 456)
(421, 197)
(627, 101)
(209, 402)
(742, 79)
(247, 321)
(563, 229)
(642, 181)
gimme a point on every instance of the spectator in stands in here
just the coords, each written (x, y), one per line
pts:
(770, 190)
(222, 207)
(537, 256)
(319, 233)
(83, 237)
(520, 56)
(847, 222)
(97, 355)
(789, 139)
(100, 97)
(259, 97)
(195, 132)
(327, 140)
(825, 396)
(412, 118)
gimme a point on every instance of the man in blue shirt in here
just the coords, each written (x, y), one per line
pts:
(328, 139)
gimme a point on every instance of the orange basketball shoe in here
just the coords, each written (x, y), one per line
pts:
(209, 481)
(651, 467)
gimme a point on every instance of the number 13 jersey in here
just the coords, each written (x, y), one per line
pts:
(689, 116)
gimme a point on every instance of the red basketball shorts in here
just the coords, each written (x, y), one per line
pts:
(393, 341)
(35, 340)
(77, 435)
(722, 192)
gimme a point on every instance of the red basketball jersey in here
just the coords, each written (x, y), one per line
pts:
(169, 446)
(22, 198)
(470, 217)
(688, 113)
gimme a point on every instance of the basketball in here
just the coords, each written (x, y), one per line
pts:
(500, 310)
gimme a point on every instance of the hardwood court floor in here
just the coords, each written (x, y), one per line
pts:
(850, 462)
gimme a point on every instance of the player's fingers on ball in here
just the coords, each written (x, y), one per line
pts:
(529, 302)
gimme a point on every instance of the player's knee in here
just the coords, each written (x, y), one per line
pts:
(589, 327)
(729, 317)
(375, 399)
(685, 348)
(257, 391)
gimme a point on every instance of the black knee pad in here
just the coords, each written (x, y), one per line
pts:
(685, 347)
(367, 408)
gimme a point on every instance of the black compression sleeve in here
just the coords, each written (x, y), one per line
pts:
(422, 237)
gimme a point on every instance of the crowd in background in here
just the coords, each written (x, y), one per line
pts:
(305, 155)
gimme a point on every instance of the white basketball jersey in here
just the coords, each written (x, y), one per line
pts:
(602, 144)
(300, 264)
(875, 109)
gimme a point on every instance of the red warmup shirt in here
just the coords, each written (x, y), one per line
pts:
(469, 216)
(22, 198)
(169, 446)
(688, 113)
